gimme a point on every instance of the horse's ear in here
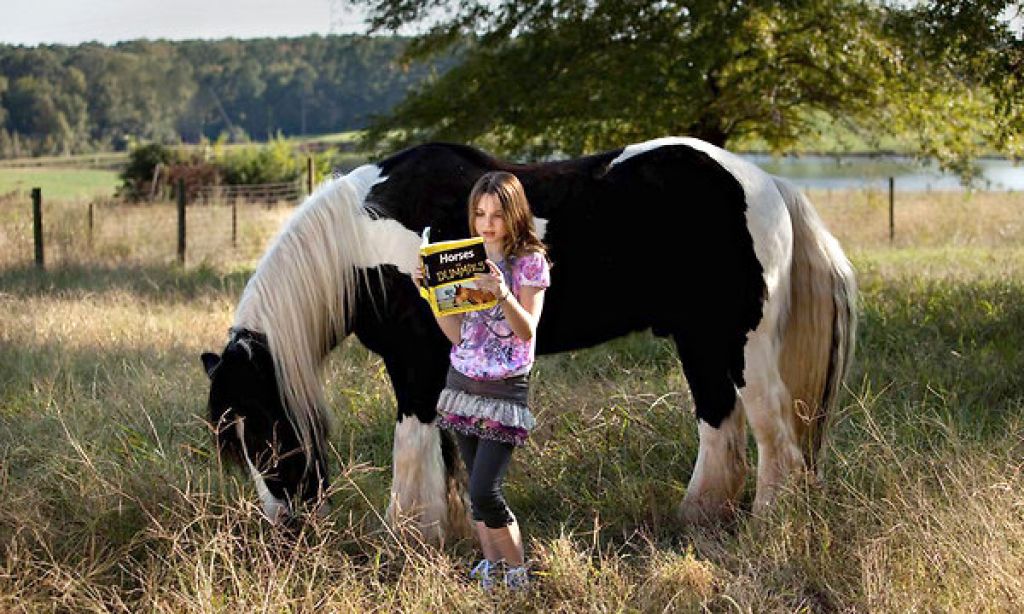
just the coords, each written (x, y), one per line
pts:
(210, 362)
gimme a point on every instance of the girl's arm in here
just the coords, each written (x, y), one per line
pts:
(523, 314)
(451, 326)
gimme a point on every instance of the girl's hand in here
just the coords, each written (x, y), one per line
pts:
(493, 282)
(417, 276)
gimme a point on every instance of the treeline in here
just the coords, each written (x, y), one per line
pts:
(60, 99)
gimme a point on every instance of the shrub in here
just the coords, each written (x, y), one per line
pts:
(275, 162)
(137, 177)
(195, 172)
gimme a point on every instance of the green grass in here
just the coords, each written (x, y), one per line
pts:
(351, 136)
(100, 160)
(59, 184)
(114, 501)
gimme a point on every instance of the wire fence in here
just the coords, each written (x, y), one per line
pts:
(265, 193)
(222, 227)
(217, 229)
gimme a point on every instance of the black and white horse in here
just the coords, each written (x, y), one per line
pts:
(762, 316)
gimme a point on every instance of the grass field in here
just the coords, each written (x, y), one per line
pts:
(113, 500)
(59, 184)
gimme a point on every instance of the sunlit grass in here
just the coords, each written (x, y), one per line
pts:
(133, 235)
(58, 183)
(114, 501)
(860, 218)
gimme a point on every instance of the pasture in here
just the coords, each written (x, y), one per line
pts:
(113, 500)
(59, 184)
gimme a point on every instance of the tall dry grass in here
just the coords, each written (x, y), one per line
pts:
(945, 219)
(136, 234)
(111, 498)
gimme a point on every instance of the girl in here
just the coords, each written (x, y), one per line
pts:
(485, 398)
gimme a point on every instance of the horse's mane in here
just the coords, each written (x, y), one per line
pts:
(302, 294)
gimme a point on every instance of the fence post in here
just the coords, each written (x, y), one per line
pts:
(234, 224)
(892, 209)
(91, 219)
(37, 224)
(310, 179)
(181, 221)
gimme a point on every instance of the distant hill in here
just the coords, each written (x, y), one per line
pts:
(73, 99)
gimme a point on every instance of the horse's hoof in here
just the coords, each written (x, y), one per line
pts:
(703, 511)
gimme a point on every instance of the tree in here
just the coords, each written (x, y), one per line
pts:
(966, 53)
(3, 111)
(577, 75)
(45, 100)
(57, 98)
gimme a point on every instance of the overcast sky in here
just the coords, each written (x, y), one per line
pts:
(31, 22)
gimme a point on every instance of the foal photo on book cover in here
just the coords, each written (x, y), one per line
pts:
(450, 269)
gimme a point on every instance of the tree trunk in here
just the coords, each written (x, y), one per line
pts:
(709, 129)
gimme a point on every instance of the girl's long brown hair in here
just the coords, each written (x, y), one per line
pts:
(522, 235)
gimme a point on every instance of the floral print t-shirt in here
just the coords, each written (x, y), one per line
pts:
(489, 349)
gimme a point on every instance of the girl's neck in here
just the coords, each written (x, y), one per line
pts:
(495, 252)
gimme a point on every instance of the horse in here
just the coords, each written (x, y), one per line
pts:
(763, 322)
(472, 296)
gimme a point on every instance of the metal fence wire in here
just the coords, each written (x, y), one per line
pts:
(216, 230)
(222, 228)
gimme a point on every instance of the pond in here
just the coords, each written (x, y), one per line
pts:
(873, 171)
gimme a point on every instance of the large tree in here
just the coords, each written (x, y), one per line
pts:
(578, 75)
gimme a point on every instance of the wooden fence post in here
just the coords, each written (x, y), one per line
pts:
(37, 224)
(234, 224)
(91, 221)
(310, 179)
(892, 209)
(181, 221)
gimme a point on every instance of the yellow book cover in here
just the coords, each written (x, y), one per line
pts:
(449, 272)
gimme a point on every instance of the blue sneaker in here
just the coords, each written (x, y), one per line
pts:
(482, 573)
(517, 578)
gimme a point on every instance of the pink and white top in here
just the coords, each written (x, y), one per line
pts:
(489, 350)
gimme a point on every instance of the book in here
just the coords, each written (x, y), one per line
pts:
(449, 274)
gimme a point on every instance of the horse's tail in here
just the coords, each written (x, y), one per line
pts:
(818, 332)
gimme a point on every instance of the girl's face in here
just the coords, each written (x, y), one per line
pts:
(489, 220)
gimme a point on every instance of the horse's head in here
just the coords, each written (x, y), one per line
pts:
(253, 429)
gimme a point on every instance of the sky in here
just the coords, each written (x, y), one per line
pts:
(34, 22)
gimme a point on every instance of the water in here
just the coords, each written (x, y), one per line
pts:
(858, 172)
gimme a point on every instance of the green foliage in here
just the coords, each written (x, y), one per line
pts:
(137, 176)
(573, 77)
(275, 162)
(56, 99)
(278, 161)
(964, 64)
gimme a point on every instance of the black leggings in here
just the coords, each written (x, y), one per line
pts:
(487, 462)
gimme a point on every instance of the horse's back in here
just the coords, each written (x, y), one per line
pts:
(659, 239)
(626, 229)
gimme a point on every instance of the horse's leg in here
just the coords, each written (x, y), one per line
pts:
(419, 489)
(426, 494)
(766, 400)
(720, 470)
(721, 466)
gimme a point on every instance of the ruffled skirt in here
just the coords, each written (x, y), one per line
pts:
(494, 410)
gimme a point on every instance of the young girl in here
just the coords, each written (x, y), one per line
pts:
(485, 399)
